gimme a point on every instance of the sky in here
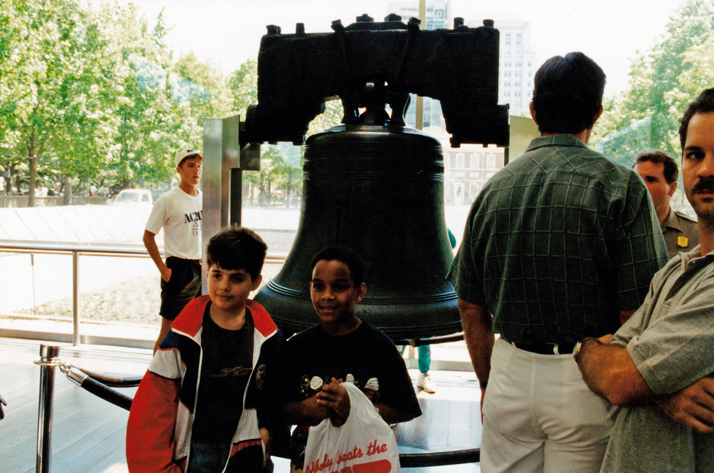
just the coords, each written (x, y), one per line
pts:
(609, 31)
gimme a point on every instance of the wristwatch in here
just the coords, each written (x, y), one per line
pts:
(578, 346)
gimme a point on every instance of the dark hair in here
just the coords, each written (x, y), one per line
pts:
(671, 171)
(703, 104)
(567, 93)
(345, 255)
(236, 248)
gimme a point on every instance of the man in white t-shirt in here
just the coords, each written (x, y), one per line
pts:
(179, 213)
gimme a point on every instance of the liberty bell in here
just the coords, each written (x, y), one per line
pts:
(372, 183)
(376, 187)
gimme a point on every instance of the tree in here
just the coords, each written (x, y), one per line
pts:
(332, 116)
(662, 82)
(281, 164)
(54, 73)
(162, 103)
(203, 86)
(243, 82)
(693, 79)
(97, 95)
(147, 117)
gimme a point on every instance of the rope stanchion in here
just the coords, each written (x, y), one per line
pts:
(48, 361)
(100, 390)
(87, 380)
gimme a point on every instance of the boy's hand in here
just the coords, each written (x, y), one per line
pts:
(372, 395)
(335, 397)
(267, 441)
(165, 273)
(314, 412)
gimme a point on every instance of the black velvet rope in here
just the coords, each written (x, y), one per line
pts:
(414, 460)
(417, 342)
(421, 460)
(108, 394)
(114, 382)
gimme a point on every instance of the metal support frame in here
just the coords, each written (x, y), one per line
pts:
(48, 362)
(236, 197)
(419, 122)
(223, 164)
(216, 165)
(76, 340)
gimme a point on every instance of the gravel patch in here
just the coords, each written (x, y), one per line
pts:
(135, 301)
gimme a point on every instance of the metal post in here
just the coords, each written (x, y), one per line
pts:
(419, 122)
(34, 293)
(48, 358)
(75, 298)
(235, 215)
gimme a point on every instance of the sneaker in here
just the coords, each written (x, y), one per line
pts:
(426, 383)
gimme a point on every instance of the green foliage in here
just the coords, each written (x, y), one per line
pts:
(662, 83)
(145, 122)
(332, 116)
(51, 79)
(96, 95)
(280, 175)
(244, 86)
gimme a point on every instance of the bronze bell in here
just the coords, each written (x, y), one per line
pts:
(378, 188)
(372, 183)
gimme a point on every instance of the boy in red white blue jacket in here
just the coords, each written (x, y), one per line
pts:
(207, 402)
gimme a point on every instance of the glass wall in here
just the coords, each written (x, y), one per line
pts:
(150, 91)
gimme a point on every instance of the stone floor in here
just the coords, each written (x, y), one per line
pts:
(89, 433)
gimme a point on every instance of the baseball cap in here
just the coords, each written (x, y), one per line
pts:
(186, 153)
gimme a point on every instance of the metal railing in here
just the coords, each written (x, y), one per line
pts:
(75, 251)
(138, 251)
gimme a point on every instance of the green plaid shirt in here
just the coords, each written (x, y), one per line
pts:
(557, 243)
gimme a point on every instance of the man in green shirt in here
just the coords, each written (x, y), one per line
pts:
(560, 244)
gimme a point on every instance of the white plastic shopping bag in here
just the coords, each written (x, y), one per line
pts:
(363, 444)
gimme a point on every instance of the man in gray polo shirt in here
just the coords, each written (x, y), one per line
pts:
(665, 352)
(562, 243)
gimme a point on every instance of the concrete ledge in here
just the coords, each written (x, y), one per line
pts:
(84, 339)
